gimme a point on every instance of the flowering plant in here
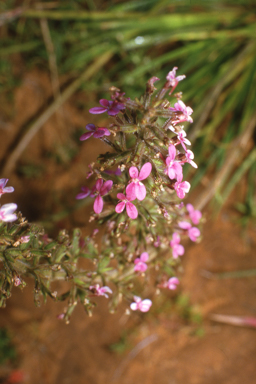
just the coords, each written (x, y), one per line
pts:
(137, 191)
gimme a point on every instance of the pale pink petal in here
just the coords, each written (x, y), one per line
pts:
(133, 171)
(134, 306)
(190, 208)
(172, 151)
(8, 189)
(172, 283)
(184, 225)
(120, 207)
(131, 210)
(145, 171)
(193, 233)
(145, 305)
(144, 256)
(3, 182)
(140, 191)
(98, 204)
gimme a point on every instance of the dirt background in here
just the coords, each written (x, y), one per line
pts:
(176, 342)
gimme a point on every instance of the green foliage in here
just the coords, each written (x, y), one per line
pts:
(7, 350)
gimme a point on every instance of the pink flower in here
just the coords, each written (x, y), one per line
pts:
(95, 132)
(181, 188)
(193, 232)
(172, 283)
(100, 291)
(131, 210)
(111, 107)
(16, 281)
(6, 212)
(101, 189)
(136, 189)
(182, 139)
(172, 79)
(141, 305)
(4, 189)
(24, 239)
(140, 263)
(174, 169)
(194, 215)
(186, 112)
(177, 248)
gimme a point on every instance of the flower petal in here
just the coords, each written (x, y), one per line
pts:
(144, 257)
(98, 204)
(145, 305)
(97, 110)
(133, 172)
(86, 136)
(90, 127)
(172, 151)
(145, 171)
(105, 103)
(121, 196)
(140, 191)
(130, 192)
(99, 133)
(120, 207)
(99, 184)
(131, 210)
(106, 187)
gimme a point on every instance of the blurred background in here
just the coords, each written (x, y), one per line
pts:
(57, 59)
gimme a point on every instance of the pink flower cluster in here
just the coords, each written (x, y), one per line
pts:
(186, 228)
(100, 291)
(140, 305)
(140, 263)
(135, 189)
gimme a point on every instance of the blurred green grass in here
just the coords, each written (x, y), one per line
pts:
(212, 42)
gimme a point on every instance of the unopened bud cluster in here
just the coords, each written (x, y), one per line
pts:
(137, 192)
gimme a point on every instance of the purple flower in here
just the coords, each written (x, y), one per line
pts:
(194, 215)
(174, 169)
(140, 263)
(131, 210)
(177, 248)
(141, 305)
(86, 192)
(100, 291)
(136, 189)
(6, 212)
(4, 189)
(172, 283)
(186, 112)
(172, 79)
(101, 189)
(95, 132)
(111, 107)
(181, 188)
(193, 232)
